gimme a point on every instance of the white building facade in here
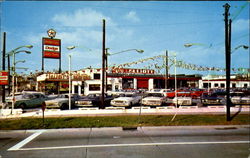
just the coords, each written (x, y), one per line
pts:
(214, 82)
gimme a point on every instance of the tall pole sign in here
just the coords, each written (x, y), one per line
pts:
(3, 78)
(51, 48)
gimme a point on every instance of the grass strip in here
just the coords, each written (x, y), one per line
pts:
(120, 121)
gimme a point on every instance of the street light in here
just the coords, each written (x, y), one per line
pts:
(243, 46)
(110, 54)
(13, 54)
(20, 61)
(70, 48)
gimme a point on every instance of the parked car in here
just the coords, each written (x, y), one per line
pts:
(169, 93)
(154, 99)
(93, 100)
(182, 101)
(239, 98)
(212, 99)
(179, 93)
(62, 101)
(126, 100)
(116, 92)
(26, 100)
(196, 93)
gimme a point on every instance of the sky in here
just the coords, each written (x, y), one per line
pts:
(153, 26)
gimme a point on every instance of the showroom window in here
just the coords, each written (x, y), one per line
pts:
(94, 87)
(97, 76)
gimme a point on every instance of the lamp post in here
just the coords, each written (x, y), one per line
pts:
(245, 47)
(70, 48)
(110, 54)
(13, 54)
(19, 61)
(240, 46)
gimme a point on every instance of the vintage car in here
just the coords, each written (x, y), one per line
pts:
(196, 93)
(182, 101)
(115, 92)
(168, 93)
(212, 99)
(179, 93)
(126, 100)
(26, 100)
(62, 101)
(239, 98)
(154, 99)
(93, 100)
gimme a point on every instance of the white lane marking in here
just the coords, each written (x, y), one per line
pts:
(138, 144)
(27, 140)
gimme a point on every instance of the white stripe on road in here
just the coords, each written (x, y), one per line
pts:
(27, 140)
(137, 144)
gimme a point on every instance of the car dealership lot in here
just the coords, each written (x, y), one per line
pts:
(144, 142)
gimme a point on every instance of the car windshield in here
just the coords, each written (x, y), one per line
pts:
(237, 94)
(93, 95)
(126, 95)
(155, 95)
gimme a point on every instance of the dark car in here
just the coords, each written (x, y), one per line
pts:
(93, 100)
(212, 99)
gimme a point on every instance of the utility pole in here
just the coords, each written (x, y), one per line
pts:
(228, 58)
(166, 77)
(106, 69)
(103, 65)
(9, 74)
(3, 64)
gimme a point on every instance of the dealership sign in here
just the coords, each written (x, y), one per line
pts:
(51, 48)
(62, 77)
(4, 77)
(132, 71)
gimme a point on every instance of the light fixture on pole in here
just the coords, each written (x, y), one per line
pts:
(70, 48)
(13, 54)
(110, 54)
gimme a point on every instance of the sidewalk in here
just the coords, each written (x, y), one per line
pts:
(111, 111)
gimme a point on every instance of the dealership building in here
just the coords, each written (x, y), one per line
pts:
(88, 80)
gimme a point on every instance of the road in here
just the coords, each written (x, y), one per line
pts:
(145, 142)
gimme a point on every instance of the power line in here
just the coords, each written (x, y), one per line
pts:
(235, 15)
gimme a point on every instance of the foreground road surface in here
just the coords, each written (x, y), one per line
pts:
(145, 142)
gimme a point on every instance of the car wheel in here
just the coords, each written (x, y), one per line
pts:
(22, 106)
(64, 106)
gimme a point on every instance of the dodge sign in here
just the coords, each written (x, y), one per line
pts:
(51, 48)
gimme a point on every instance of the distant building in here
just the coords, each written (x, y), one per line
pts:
(219, 81)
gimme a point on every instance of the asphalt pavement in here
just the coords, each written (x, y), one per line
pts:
(143, 142)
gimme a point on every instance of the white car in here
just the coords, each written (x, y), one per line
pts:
(126, 100)
(62, 101)
(154, 99)
(115, 93)
(182, 101)
(239, 98)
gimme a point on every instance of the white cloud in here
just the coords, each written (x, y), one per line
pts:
(85, 17)
(132, 16)
(241, 25)
(85, 27)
